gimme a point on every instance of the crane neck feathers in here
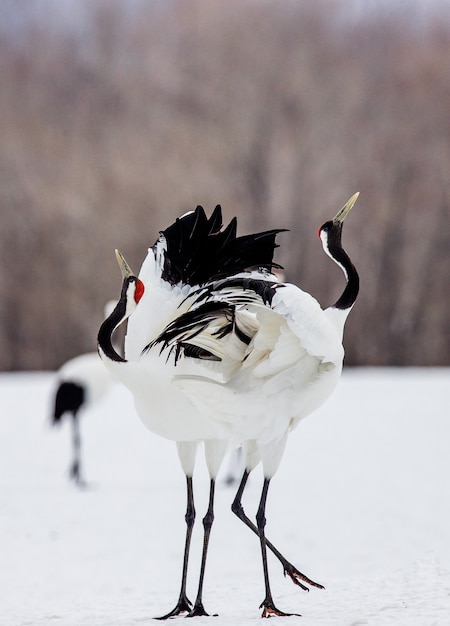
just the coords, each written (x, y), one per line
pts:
(104, 338)
(124, 308)
(332, 245)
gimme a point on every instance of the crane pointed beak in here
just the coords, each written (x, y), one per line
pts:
(124, 267)
(342, 214)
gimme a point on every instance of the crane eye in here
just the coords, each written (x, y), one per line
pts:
(325, 228)
(139, 290)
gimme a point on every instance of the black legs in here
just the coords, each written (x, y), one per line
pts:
(184, 605)
(288, 568)
(75, 468)
(267, 604)
(294, 574)
(198, 608)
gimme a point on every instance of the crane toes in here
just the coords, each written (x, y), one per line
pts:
(75, 476)
(270, 610)
(199, 611)
(296, 576)
(183, 606)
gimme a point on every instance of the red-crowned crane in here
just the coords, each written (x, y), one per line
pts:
(219, 351)
(81, 383)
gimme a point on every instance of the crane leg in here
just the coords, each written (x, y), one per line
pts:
(267, 604)
(198, 608)
(75, 468)
(294, 574)
(184, 604)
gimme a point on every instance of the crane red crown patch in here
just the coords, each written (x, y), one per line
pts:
(139, 291)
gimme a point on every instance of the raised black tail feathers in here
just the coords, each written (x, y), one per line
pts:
(199, 250)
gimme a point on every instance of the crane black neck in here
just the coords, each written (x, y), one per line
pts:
(350, 293)
(334, 248)
(104, 337)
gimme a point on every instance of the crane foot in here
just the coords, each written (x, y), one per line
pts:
(296, 576)
(270, 610)
(198, 611)
(183, 606)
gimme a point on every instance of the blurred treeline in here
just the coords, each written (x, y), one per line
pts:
(113, 125)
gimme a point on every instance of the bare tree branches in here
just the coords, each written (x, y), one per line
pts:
(276, 111)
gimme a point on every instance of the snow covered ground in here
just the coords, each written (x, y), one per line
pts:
(361, 504)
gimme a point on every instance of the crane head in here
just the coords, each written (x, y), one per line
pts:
(129, 278)
(336, 223)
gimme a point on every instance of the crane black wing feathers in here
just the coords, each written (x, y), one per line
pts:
(200, 250)
(178, 334)
(214, 305)
(201, 253)
(241, 289)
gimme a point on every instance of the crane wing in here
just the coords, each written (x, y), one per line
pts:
(309, 323)
(251, 324)
(244, 353)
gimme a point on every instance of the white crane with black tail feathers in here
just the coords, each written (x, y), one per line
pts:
(219, 351)
(81, 383)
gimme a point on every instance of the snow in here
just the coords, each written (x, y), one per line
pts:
(361, 504)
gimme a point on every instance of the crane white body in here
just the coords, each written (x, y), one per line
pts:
(88, 371)
(254, 393)
(80, 383)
